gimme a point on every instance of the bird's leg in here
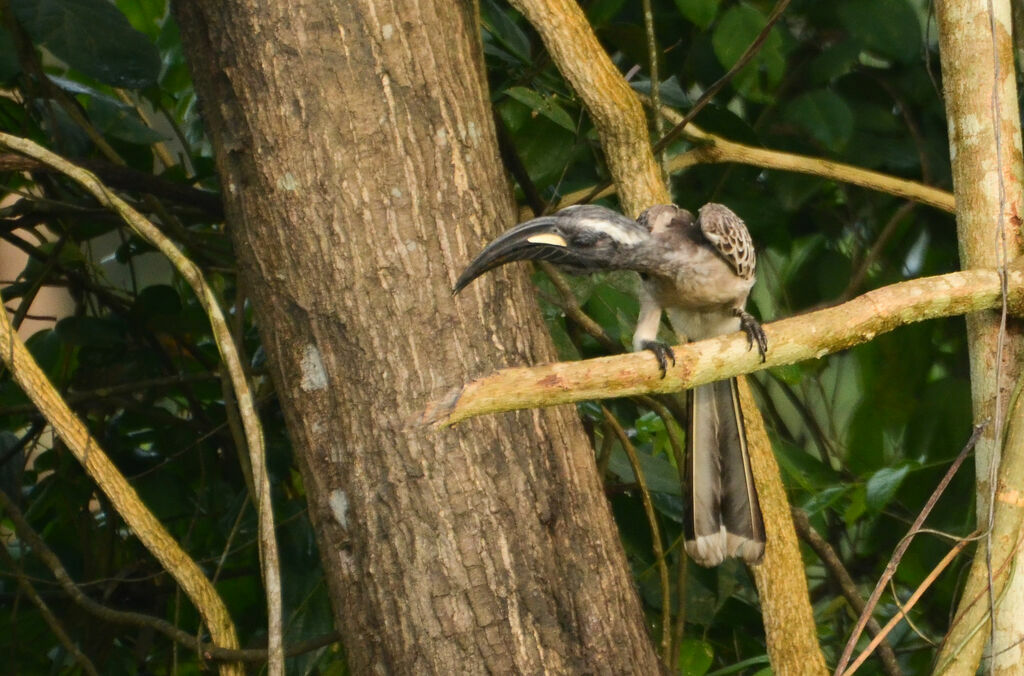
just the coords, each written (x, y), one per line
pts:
(646, 335)
(754, 332)
(662, 351)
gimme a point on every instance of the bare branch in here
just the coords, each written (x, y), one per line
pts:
(48, 615)
(42, 393)
(126, 501)
(714, 149)
(652, 520)
(810, 336)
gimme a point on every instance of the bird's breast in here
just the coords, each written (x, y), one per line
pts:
(700, 282)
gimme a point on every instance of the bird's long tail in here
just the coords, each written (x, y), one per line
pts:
(724, 518)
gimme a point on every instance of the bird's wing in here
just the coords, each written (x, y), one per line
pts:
(728, 234)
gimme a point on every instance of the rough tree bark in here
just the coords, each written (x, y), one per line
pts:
(360, 172)
(985, 146)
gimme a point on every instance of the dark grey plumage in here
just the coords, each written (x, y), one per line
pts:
(700, 272)
(585, 237)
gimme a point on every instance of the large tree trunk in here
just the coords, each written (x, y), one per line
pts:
(360, 172)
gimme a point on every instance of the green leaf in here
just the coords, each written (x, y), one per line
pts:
(883, 485)
(876, 150)
(793, 190)
(694, 657)
(93, 37)
(699, 12)
(670, 92)
(159, 301)
(876, 116)
(544, 147)
(834, 62)
(546, 106)
(661, 476)
(824, 115)
(857, 506)
(833, 269)
(145, 15)
(724, 122)
(120, 121)
(803, 468)
(823, 499)
(737, 29)
(888, 27)
(504, 30)
(669, 506)
(51, 354)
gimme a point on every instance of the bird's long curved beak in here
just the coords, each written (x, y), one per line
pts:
(533, 240)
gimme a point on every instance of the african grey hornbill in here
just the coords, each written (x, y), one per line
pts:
(700, 272)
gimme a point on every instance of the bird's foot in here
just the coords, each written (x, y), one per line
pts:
(754, 332)
(662, 351)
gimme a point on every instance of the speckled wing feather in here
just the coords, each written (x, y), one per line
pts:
(728, 234)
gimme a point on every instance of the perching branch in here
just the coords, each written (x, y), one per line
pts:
(810, 336)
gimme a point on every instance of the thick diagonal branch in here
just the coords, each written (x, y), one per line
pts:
(612, 104)
(619, 119)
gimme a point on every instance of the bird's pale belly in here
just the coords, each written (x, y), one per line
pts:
(699, 293)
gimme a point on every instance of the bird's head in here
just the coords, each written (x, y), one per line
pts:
(661, 217)
(585, 237)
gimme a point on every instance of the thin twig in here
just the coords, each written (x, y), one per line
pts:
(911, 602)
(834, 565)
(751, 51)
(180, 637)
(48, 615)
(652, 519)
(904, 611)
(708, 94)
(901, 549)
(652, 55)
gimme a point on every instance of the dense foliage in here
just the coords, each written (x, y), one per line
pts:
(862, 437)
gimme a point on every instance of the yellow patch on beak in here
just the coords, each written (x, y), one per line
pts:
(548, 238)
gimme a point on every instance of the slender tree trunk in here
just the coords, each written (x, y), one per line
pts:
(360, 172)
(985, 147)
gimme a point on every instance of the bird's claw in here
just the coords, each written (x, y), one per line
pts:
(662, 351)
(754, 332)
